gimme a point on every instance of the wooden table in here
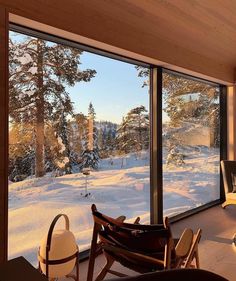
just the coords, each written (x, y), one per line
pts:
(19, 269)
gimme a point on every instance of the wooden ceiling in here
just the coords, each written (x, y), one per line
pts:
(196, 35)
(207, 27)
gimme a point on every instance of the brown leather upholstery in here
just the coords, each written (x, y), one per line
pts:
(148, 239)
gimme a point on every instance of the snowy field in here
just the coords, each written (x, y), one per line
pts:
(118, 188)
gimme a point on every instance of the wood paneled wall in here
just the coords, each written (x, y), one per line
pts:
(3, 133)
(133, 26)
(231, 122)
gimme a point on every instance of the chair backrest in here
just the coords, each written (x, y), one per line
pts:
(137, 237)
(228, 167)
(193, 253)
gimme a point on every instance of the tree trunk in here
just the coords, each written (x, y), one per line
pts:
(39, 122)
(140, 132)
(90, 133)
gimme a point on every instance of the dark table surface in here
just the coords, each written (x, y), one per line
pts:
(19, 269)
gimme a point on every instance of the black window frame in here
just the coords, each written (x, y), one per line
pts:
(223, 146)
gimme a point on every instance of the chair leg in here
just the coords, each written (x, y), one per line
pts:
(93, 249)
(224, 205)
(167, 254)
(105, 269)
(194, 251)
(197, 259)
(228, 202)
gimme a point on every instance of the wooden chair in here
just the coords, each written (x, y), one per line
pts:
(228, 168)
(142, 248)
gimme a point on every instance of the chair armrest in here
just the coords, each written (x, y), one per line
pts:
(133, 255)
(121, 218)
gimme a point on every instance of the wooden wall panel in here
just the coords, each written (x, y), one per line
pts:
(231, 121)
(134, 27)
(3, 133)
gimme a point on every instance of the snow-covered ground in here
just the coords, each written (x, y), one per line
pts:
(120, 186)
(193, 184)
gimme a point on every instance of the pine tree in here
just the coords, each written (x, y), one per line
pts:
(106, 138)
(21, 151)
(90, 155)
(63, 131)
(78, 134)
(91, 111)
(133, 133)
(90, 159)
(39, 72)
(53, 150)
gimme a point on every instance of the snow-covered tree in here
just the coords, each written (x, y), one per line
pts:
(90, 155)
(90, 159)
(21, 151)
(175, 157)
(39, 72)
(78, 133)
(91, 111)
(106, 138)
(62, 132)
(133, 133)
(53, 149)
(188, 100)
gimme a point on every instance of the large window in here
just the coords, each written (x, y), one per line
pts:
(78, 134)
(191, 143)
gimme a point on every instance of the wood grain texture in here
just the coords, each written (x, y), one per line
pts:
(231, 122)
(195, 35)
(3, 133)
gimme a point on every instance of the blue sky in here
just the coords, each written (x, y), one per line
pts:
(114, 90)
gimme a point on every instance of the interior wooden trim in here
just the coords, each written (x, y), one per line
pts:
(3, 133)
(79, 38)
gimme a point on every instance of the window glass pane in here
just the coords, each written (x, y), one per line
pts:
(78, 135)
(191, 143)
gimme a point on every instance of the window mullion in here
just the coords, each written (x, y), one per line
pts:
(156, 173)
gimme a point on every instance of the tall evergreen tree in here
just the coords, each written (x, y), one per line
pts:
(133, 134)
(106, 138)
(63, 131)
(90, 156)
(21, 152)
(91, 111)
(39, 72)
(78, 133)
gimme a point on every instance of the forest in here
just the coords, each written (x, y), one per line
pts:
(47, 135)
